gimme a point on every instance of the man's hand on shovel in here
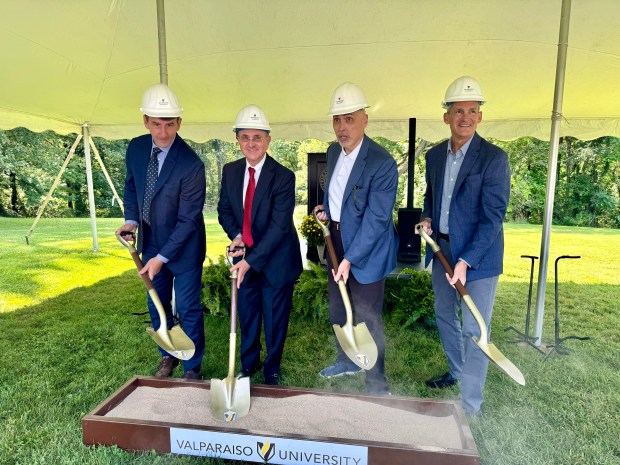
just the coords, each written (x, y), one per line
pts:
(242, 268)
(345, 265)
(460, 274)
(237, 249)
(460, 270)
(343, 271)
(152, 267)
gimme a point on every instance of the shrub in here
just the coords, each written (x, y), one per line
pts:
(409, 298)
(310, 294)
(215, 294)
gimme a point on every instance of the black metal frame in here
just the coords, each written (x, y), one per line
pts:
(557, 345)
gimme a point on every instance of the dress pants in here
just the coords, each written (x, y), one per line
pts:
(367, 303)
(187, 287)
(262, 304)
(465, 359)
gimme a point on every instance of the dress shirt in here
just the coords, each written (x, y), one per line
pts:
(339, 180)
(454, 161)
(257, 169)
(246, 177)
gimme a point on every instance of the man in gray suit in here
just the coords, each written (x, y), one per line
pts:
(467, 192)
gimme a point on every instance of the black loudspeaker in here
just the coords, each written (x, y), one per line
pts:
(317, 176)
(409, 246)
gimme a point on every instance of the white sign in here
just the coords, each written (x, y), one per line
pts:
(264, 449)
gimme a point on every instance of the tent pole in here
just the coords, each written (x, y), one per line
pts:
(161, 37)
(556, 119)
(53, 188)
(91, 194)
(105, 173)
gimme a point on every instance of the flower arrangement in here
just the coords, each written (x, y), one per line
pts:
(311, 231)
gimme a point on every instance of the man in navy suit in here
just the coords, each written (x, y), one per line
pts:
(467, 192)
(255, 209)
(361, 190)
(165, 205)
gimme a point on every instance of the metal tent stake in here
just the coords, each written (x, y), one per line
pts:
(530, 340)
(557, 345)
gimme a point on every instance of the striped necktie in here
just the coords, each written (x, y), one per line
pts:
(152, 173)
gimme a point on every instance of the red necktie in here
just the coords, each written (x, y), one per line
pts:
(246, 230)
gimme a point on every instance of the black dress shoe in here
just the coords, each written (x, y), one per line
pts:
(273, 380)
(245, 372)
(442, 381)
(381, 390)
(191, 374)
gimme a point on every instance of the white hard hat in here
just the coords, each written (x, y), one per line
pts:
(160, 102)
(347, 98)
(463, 89)
(251, 117)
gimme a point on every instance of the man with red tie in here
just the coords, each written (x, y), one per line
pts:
(255, 209)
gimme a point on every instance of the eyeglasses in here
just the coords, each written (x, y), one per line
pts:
(258, 139)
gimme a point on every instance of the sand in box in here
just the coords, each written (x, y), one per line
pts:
(307, 415)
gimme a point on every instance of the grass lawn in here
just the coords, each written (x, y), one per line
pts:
(69, 340)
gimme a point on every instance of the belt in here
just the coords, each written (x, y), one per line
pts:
(445, 237)
(336, 224)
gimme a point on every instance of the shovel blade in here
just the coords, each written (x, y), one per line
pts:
(495, 355)
(174, 341)
(230, 398)
(358, 344)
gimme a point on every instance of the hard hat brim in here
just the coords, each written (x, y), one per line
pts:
(162, 114)
(446, 105)
(347, 110)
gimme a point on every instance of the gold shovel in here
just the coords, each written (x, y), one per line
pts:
(230, 397)
(488, 348)
(173, 341)
(356, 341)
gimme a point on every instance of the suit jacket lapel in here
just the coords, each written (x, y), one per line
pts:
(236, 186)
(358, 169)
(168, 166)
(266, 175)
(331, 164)
(468, 162)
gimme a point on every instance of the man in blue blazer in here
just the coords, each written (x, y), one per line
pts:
(164, 197)
(467, 193)
(361, 190)
(255, 209)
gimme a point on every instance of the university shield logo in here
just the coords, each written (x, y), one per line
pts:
(363, 359)
(266, 450)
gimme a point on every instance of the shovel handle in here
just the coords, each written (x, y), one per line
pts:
(335, 264)
(328, 242)
(324, 227)
(148, 283)
(482, 342)
(442, 259)
(458, 285)
(233, 302)
(136, 259)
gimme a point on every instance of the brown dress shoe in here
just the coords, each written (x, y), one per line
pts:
(166, 366)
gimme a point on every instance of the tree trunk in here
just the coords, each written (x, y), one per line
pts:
(13, 181)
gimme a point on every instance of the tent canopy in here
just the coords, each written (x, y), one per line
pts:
(79, 62)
